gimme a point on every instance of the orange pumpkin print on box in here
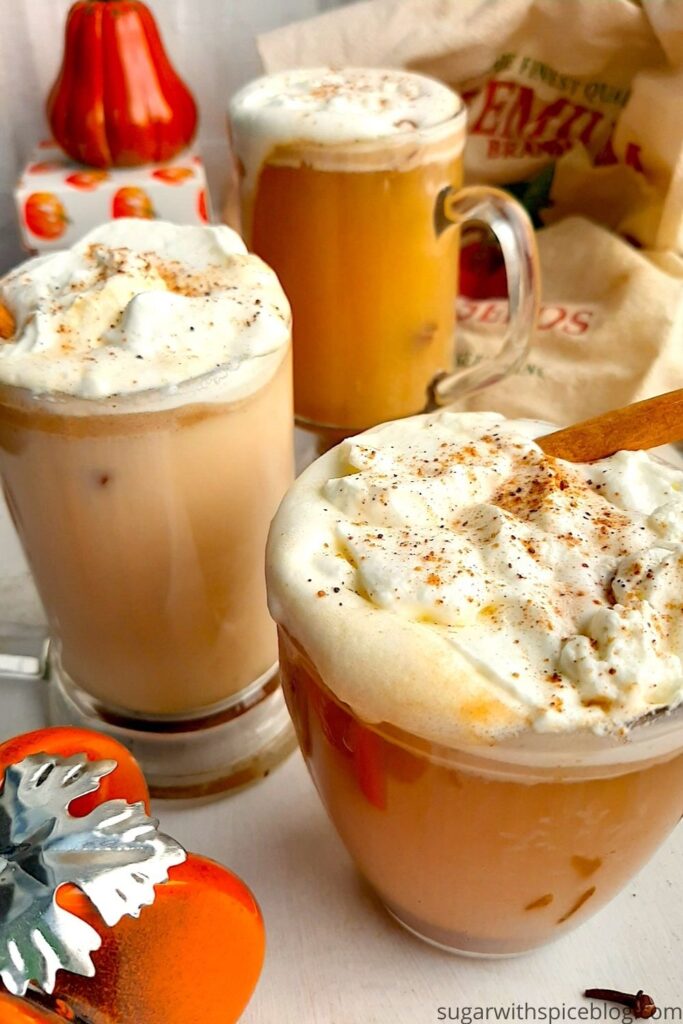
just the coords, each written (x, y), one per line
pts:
(44, 166)
(132, 202)
(45, 216)
(173, 175)
(202, 206)
(86, 180)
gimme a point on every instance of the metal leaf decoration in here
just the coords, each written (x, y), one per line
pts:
(115, 855)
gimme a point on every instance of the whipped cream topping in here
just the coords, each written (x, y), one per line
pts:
(448, 577)
(137, 305)
(326, 107)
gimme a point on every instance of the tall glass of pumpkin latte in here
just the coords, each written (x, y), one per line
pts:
(145, 442)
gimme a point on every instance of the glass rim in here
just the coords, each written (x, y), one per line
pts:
(404, 137)
(661, 730)
(530, 754)
(536, 756)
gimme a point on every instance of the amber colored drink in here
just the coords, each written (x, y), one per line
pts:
(478, 856)
(145, 532)
(350, 234)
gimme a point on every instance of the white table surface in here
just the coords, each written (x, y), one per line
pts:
(334, 956)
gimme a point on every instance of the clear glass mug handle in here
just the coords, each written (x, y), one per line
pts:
(514, 231)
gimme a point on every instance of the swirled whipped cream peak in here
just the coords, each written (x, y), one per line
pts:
(328, 106)
(139, 304)
(449, 578)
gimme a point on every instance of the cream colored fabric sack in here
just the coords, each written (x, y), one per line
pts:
(610, 329)
(577, 105)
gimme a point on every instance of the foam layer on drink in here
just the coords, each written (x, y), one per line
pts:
(138, 305)
(328, 108)
(445, 576)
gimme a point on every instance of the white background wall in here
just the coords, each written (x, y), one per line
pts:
(210, 41)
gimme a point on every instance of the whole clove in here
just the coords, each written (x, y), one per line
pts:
(641, 1004)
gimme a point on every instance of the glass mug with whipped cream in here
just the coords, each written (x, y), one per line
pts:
(145, 442)
(482, 652)
(351, 190)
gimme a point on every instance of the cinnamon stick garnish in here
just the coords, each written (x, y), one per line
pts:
(633, 428)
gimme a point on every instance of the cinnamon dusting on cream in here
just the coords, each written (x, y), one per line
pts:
(560, 585)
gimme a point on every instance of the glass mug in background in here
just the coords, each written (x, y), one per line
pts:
(144, 519)
(363, 234)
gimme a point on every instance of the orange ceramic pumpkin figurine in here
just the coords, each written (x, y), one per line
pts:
(117, 100)
(19, 1011)
(104, 919)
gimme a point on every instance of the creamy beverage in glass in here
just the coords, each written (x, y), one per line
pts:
(351, 185)
(145, 442)
(482, 652)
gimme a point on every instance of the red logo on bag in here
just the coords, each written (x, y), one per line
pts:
(519, 123)
(569, 319)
